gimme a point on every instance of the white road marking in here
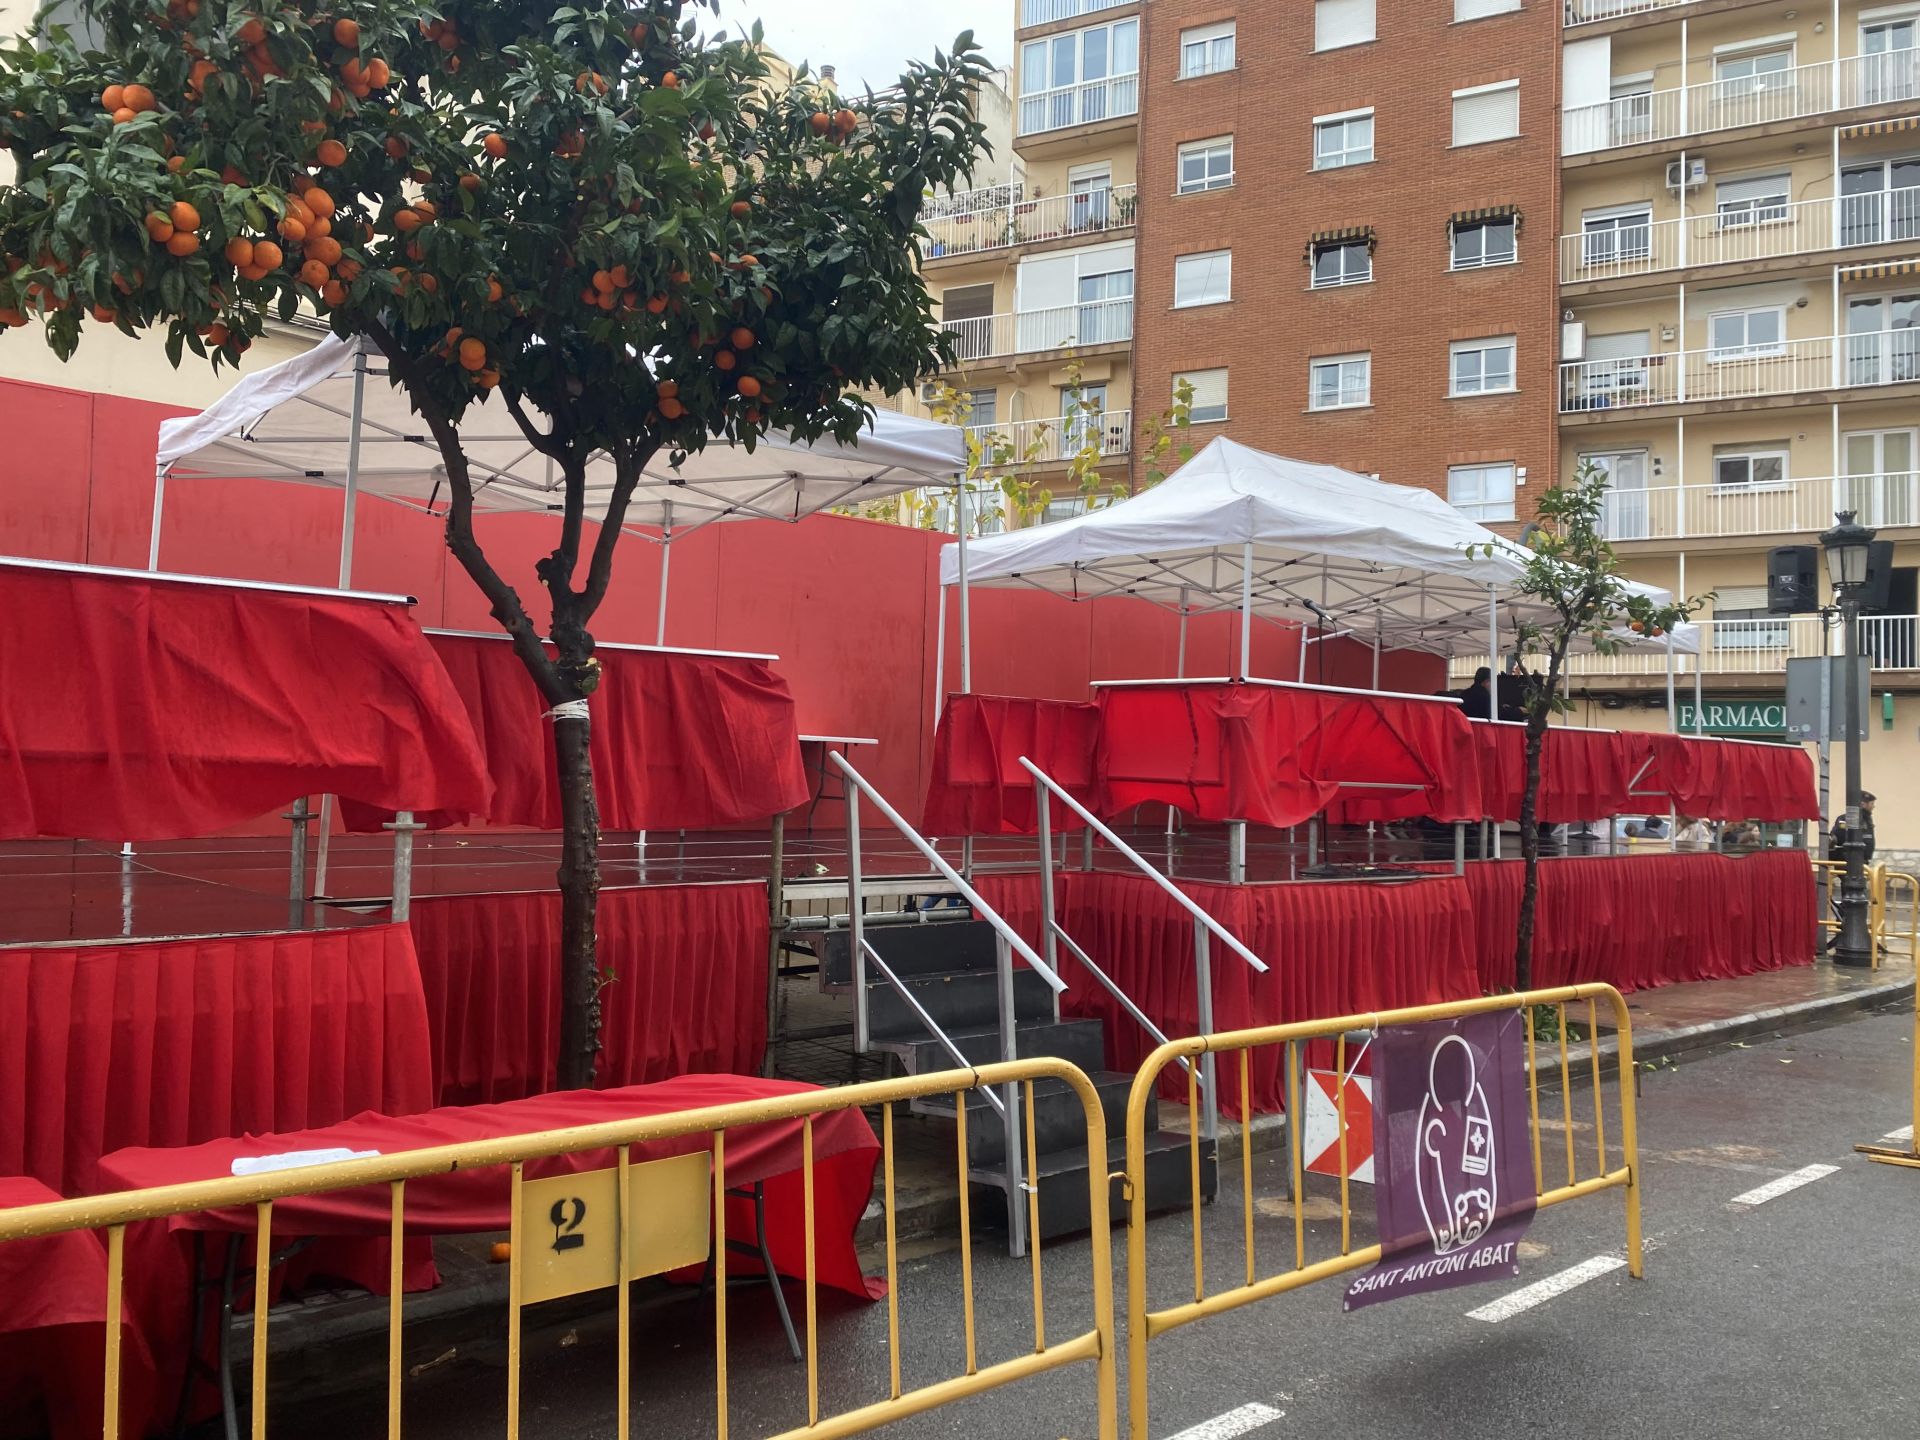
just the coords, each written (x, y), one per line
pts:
(1774, 1189)
(1525, 1298)
(1235, 1422)
(1905, 1132)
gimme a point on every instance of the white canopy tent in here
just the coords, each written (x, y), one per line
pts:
(1238, 529)
(315, 420)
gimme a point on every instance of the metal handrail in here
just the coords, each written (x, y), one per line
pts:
(927, 1020)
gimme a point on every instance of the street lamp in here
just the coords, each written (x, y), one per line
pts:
(1848, 548)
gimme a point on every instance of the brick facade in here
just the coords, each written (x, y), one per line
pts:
(1415, 305)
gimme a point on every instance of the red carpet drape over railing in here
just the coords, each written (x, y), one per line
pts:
(688, 990)
(977, 785)
(157, 709)
(680, 741)
(177, 1041)
(1583, 773)
(1331, 949)
(1721, 779)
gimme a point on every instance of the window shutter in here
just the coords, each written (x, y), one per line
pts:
(1486, 115)
(1759, 187)
(1341, 22)
(1209, 388)
(1626, 345)
(1474, 9)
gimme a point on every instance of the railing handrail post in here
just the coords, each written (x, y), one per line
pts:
(1044, 833)
(1203, 1000)
(856, 939)
(1017, 1239)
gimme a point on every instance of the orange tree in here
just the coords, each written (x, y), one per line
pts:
(593, 215)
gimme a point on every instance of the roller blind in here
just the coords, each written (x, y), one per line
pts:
(1482, 115)
(1341, 22)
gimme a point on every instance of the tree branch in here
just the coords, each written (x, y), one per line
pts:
(629, 464)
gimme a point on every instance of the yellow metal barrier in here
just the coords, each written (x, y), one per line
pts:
(527, 1283)
(1144, 1325)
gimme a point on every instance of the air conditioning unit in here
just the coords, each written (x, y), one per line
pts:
(1688, 174)
(930, 392)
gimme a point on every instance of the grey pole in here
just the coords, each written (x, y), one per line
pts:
(1826, 737)
(1854, 945)
(1673, 712)
(666, 569)
(1493, 653)
(403, 828)
(940, 656)
(1010, 1104)
(1044, 833)
(1246, 611)
(300, 816)
(1203, 996)
(966, 612)
(776, 927)
(355, 416)
(856, 939)
(1180, 660)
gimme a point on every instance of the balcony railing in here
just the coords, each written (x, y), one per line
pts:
(1053, 442)
(1735, 235)
(1777, 508)
(1872, 357)
(1044, 110)
(1045, 12)
(1711, 105)
(1759, 646)
(1097, 322)
(1586, 12)
(1016, 220)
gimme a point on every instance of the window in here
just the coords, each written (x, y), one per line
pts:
(1486, 112)
(1340, 140)
(1080, 77)
(1474, 9)
(1890, 57)
(1753, 71)
(1342, 262)
(1204, 279)
(983, 407)
(1741, 621)
(1338, 381)
(1610, 236)
(1206, 165)
(1206, 50)
(1752, 202)
(1481, 492)
(1481, 367)
(1750, 465)
(1083, 413)
(1341, 22)
(1747, 334)
(1089, 193)
(1209, 401)
(1484, 242)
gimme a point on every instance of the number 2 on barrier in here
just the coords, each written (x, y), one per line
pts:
(575, 1250)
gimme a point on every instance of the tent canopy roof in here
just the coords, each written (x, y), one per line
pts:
(1329, 547)
(293, 422)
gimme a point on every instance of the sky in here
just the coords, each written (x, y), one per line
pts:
(870, 41)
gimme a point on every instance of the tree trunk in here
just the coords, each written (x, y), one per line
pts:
(579, 882)
(1529, 852)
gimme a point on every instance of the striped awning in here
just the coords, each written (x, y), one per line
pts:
(1352, 234)
(1880, 127)
(1484, 214)
(1881, 270)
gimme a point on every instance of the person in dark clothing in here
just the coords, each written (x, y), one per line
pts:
(1838, 836)
(1477, 698)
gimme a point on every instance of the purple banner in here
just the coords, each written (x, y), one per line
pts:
(1452, 1155)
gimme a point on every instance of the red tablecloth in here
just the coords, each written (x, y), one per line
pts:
(1639, 921)
(149, 709)
(178, 1041)
(53, 1297)
(1583, 773)
(468, 1201)
(680, 742)
(688, 989)
(977, 785)
(1331, 949)
(1720, 779)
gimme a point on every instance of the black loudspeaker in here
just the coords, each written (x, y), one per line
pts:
(1874, 599)
(1793, 580)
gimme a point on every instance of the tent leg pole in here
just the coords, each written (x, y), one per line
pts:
(323, 848)
(159, 507)
(354, 423)
(1236, 852)
(1673, 716)
(1180, 659)
(966, 608)
(666, 569)
(1493, 655)
(1246, 611)
(1313, 841)
(940, 655)
(776, 927)
(299, 817)
(1699, 705)
(403, 828)
(1459, 847)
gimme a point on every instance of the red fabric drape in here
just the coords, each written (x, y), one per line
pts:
(53, 1295)
(680, 742)
(1277, 755)
(977, 786)
(688, 988)
(1721, 779)
(1639, 921)
(1331, 949)
(353, 1223)
(178, 1041)
(156, 709)
(1583, 773)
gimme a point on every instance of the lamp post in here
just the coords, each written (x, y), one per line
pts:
(1847, 550)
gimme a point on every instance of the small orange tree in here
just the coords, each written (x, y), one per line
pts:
(590, 214)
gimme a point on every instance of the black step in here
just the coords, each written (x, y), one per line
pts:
(1058, 1117)
(1081, 1042)
(1063, 1184)
(967, 1000)
(928, 948)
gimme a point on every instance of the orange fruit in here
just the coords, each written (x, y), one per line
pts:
(603, 281)
(725, 360)
(183, 243)
(495, 145)
(159, 228)
(470, 183)
(347, 33)
(495, 291)
(334, 293)
(123, 115)
(406, 221)
(605, 299)
(487, 379)
(621, 278)
(742, 338)
(251, 33)
(670, 80)
(216, 334)
(667, 389)
(500, 1252)
(184, 216)
(325, 249)
(291, 229)
(331, 154)
(317, 201)
(266, 255)
(589, 80)
(239, 252)
(740, 209)
(176, 163)
(104, 314)
(426, 210)
(656, 304)
(352, 72)
(137, 98)
(845, 121)
(253, 272)
(112, 98)
(315, 274)
(473, 353)
(319, 226)
(197, 77)
(746, 262)
(747, 386)
(378, 73)
(232, 176)
(347, 270)
(429, 282)
(672, 409)
(820, 122)
(396, 147)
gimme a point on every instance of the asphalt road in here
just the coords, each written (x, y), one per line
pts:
(1794, 1316)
